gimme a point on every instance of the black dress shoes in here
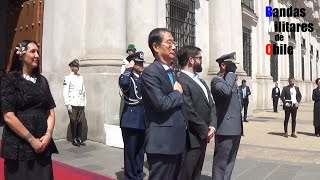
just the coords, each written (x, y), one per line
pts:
(80, 142)
(293, 135)
(75, 142)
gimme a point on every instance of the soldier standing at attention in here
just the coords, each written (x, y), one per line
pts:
(74, 94)
(133, 119)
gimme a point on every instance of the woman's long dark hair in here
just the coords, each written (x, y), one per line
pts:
(17, 64)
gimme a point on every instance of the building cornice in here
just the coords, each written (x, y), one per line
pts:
(247, 12)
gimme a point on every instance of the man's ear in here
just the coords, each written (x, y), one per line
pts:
(155, 47)
(190, 60)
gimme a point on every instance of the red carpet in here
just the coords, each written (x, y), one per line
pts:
(63, 171)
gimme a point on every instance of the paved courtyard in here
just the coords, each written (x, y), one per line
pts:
(263, 155)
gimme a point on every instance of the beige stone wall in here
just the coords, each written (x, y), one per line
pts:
(97, 32)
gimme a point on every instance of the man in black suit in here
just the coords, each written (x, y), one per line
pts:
(275, 97)
(162, 96)
(198, 109)
(245, 93)
(229, 129)
(291, 98)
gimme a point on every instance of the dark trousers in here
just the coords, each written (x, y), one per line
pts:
(245, 104)
(76, 117)
(225, 153)
(133, 140)
(275, 104)
(317, 130)
(164, 167)
(193, 162)
(287, 112)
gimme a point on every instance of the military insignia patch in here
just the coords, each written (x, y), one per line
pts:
(141, 55)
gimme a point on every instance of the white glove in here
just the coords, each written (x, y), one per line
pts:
(69, 107)
(287, 105)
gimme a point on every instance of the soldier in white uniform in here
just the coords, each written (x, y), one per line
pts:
(75, 100)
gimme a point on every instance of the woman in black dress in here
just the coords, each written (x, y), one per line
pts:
(316, 108)
(28, 109)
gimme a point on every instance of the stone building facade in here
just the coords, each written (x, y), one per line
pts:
(98, 31)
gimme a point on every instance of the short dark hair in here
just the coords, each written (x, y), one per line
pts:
(317, 80)
(155, 36)
(290, 78)
(185, 53)
(243, 81)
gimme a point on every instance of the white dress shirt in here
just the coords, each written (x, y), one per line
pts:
(293, 94)
(196, 79)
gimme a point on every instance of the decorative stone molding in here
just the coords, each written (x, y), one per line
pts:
(247, 13)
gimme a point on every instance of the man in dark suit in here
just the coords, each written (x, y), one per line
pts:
(245, 93)
(275, 97)
(132, 121)
(229, 129)
(198, 109)
(291, 98)
(162, 96)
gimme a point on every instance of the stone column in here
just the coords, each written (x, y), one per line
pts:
(263, 60)
(225, 32)
(140, 21)
(105, 32)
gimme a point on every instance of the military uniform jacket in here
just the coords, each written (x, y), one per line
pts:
(226, 94)
(133, 111)
(74, 92)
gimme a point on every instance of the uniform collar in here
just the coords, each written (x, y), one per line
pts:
(137, 75)
(72, 73)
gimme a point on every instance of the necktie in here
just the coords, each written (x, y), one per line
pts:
(169, 72)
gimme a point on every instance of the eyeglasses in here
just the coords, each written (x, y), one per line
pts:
(170, 43)
(200, 58)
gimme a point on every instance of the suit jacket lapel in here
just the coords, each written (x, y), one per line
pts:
(196, 85)
(210, 102)
(163, 73)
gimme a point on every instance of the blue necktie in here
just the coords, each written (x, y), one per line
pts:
(169, 72)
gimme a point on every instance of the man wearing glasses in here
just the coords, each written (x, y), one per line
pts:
(162, 96)
(199, 110)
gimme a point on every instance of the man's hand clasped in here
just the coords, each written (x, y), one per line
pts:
(177, 86)
(210, 134)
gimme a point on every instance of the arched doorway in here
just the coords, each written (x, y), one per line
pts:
(20, 19)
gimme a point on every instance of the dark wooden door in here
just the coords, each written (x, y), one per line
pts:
(24, 20)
